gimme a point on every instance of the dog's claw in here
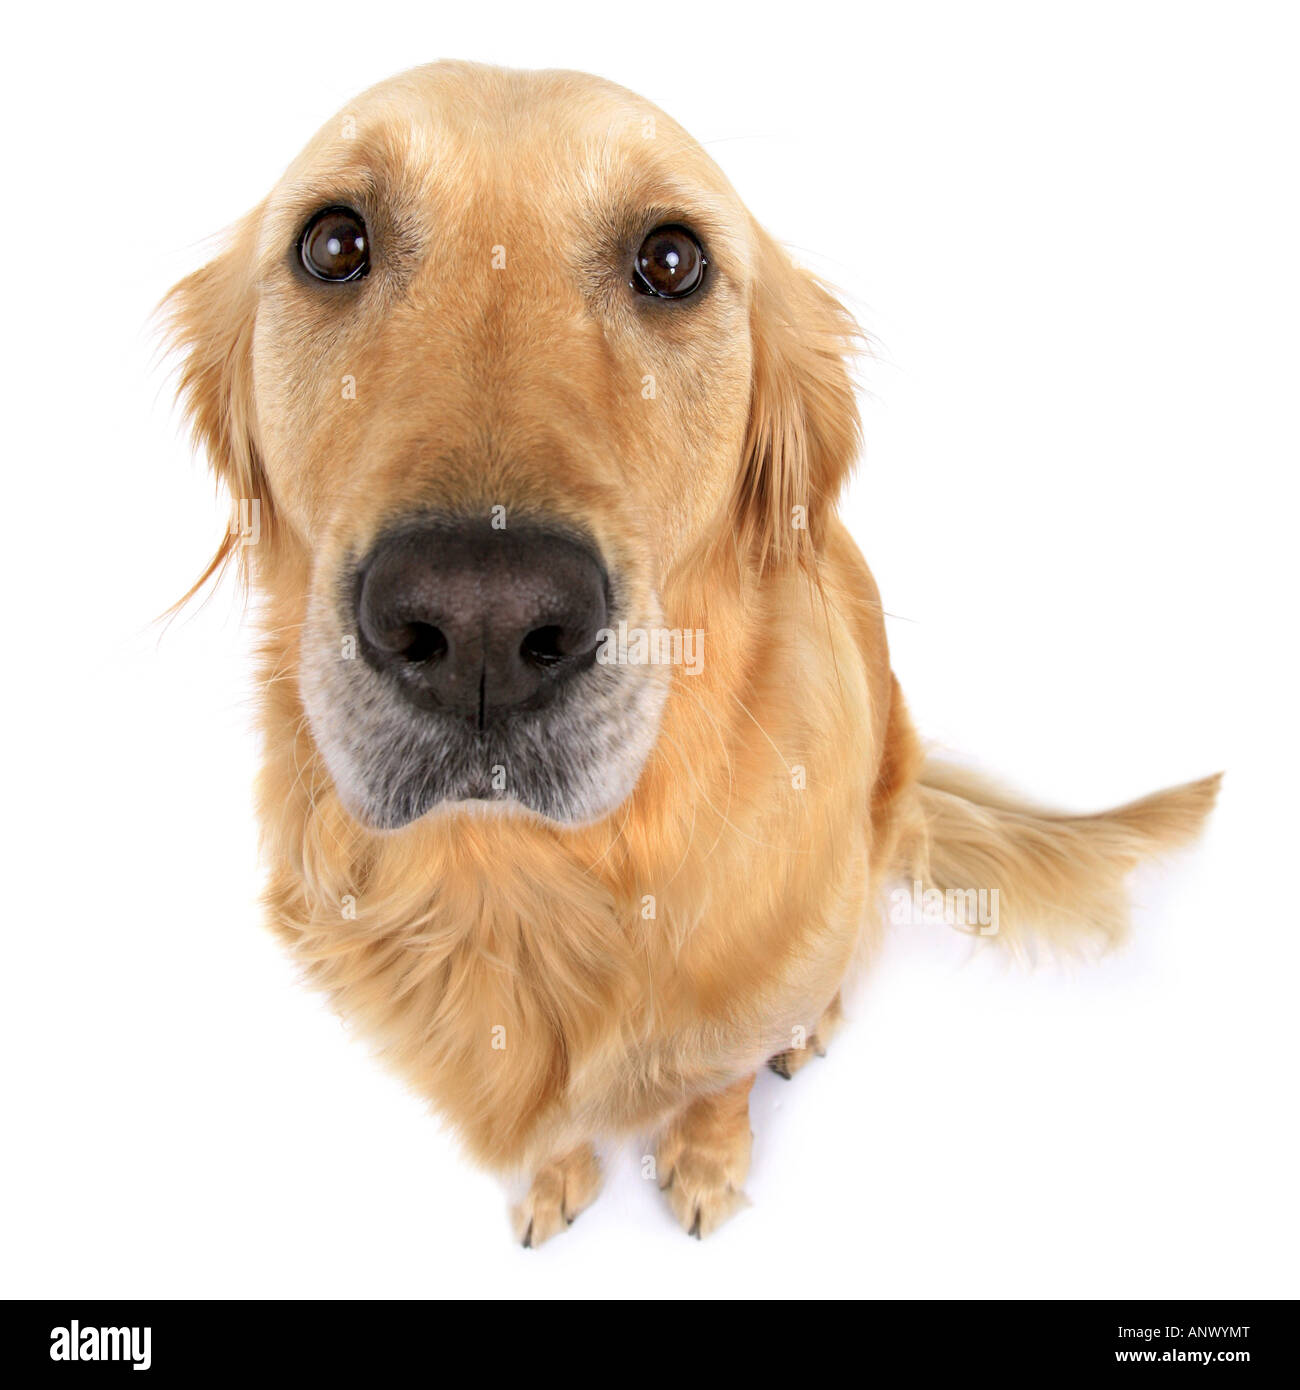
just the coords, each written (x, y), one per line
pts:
(561, 1191)
(703, 1157)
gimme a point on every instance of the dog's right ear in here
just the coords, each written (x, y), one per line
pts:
(208, 319)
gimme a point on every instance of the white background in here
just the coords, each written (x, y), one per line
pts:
(1072, 231)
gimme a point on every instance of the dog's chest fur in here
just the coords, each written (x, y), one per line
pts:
(538, 999)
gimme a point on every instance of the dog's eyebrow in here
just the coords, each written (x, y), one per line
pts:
(652, 201)
(358, 182)
(376, 167)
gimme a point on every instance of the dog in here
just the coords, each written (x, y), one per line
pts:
(516, 404)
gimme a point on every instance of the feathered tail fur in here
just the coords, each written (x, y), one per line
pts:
(1060, 878)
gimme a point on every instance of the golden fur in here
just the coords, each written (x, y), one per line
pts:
(548, 985)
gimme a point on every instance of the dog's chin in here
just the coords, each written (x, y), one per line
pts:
(569, 765)
(391, 809)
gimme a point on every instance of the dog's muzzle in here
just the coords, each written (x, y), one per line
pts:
(457, 664)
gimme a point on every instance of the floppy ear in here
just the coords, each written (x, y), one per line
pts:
(209, 320)
(804, 428)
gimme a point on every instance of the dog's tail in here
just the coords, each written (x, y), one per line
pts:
(1057, 877)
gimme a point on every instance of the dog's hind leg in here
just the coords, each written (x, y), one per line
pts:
(793, 1058)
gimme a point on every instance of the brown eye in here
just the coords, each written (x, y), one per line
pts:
(334, 245)
(670, 264)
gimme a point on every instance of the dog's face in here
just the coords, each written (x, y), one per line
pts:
(500, 356)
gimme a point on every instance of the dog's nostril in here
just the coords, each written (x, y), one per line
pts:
(542, 645)
(425, 643)
(478, 623)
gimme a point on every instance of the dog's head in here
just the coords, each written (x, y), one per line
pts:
(500, 355)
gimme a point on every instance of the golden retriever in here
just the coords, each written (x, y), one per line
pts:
(585, 771)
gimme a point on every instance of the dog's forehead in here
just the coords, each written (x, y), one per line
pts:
(483, 131)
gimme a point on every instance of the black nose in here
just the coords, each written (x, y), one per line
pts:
(477, 621)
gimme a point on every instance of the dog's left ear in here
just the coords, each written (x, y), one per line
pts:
(804, 429)
(209, 319)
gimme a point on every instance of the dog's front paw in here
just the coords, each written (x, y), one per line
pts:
(703, 1188)
(561, 1189)
(702, 1160)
